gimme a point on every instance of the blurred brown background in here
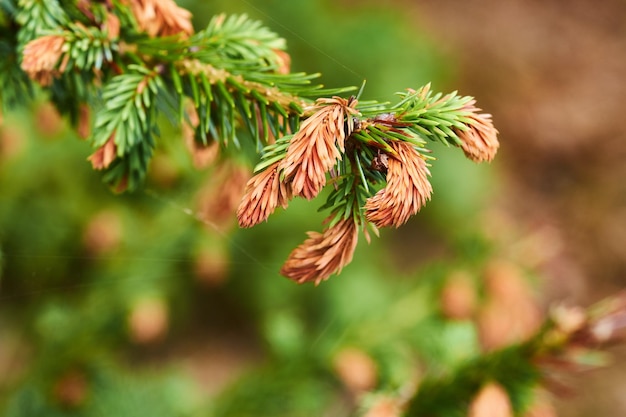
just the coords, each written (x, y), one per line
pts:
(552, 73)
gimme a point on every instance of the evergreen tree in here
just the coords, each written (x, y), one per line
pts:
(128, 75)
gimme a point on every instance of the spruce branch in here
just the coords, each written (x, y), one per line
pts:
(129, 62)
(236, 37)
(376, 158)
(565, 342)
(38, 16)
(126, 125)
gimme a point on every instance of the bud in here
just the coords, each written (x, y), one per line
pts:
(356, 370)
(322, 254)
(510, 314)
(211, 266)
(407, 188)
(40, 58)
(49, 122)
(103, 232)
(568, 319)
(83, 127)
(491, 401)
(458, 297)
(104, 155)
(71, 389)
(283, 61)
(12, 141)
(148, 320)
(202, 155)
(317, 146)
(479, 139)
(162, 17)
(264, 192)
(112, 26)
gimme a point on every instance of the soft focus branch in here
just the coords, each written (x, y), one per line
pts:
(130, 62)
(569, 338)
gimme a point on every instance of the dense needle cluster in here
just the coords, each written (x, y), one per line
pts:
(41, 57)
(264, 192)
(161, 17)
(479, 139)
(407, 188)
(334, 141)
(373, 154)
(317, 146)
(322, 254)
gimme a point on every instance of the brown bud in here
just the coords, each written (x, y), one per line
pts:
(356, 370)
(112, 26)
(12, 141)
(41, 56)
(103, 233)
(211, 266)
(510, 314)
(458, 297)
(322, 254)
(148, 320)
(491, 401)
(104, 155)
(83, 127)
(202, 155)
(71, 389)
(49, 122)
(162, 17)
(568, 319)
(283, 60)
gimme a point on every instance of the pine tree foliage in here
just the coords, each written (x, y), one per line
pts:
(119, 70)
(129, 62)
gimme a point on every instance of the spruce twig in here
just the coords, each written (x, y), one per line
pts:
(129, 63)
(567, 338)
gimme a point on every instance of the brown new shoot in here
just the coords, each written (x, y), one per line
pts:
(161, 17)
(407, 188)
(317, 146)
(322, 254)
(264, 192)
(479, 140)
(41, 56)
(104, 155)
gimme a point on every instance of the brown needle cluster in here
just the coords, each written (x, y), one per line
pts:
(407, 188)
(317, 146)
(161, 17)
(479, 140)
(41, 56)
(264, 192)
(322, 254)
(313, 151)
(104, 155)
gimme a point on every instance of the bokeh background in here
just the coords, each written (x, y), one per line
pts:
(134, 305)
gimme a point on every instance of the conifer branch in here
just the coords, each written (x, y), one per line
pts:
(129, 62)
(565, 342)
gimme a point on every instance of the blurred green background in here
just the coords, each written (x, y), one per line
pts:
(131, 305)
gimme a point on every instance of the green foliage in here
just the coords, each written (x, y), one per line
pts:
(38, 17)
(71, 302)
(448, 396)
